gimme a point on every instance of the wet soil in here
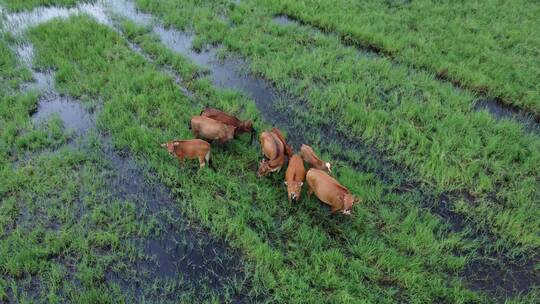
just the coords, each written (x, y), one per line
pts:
(499, 110)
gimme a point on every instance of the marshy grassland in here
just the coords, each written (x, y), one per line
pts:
(93, 210)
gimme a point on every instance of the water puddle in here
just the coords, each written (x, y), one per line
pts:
(499, 110)
(284, 20)
(17, 23)
(487, 276)
(73, 114)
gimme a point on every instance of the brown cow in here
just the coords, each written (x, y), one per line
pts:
(245, 126)
(288, 149)
(211, 129)
(313, 160)
(329, 191)
(274, 151)
(192, 148)
(294, 177)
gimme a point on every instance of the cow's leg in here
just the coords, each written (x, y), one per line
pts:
(201, 161)
(309, 191)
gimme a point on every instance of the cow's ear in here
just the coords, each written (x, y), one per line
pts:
(176, 144)
(300, 184)
(285, 182)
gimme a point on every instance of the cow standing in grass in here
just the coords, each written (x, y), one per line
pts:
(274, 151)
(313, 160)
(241, 127)
(330, 191)
(294, 177)
(210, 129)
(288, 149)
(193, 148)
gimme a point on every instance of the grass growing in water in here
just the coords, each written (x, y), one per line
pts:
(21, 5)
(388, 252)
(488, 46)
(427, 126)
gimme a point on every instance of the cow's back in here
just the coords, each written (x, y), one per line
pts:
(221, 116)
(295, 170)
(325, 187)
(194, 147)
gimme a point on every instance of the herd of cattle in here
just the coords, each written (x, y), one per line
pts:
(215, 125)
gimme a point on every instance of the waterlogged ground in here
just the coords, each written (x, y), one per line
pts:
(93, 210)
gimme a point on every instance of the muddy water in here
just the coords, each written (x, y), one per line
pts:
(73, 114)
(179, 249)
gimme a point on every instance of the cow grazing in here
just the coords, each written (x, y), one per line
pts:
(288, 148)
(313, 160)
(193, 148)
(294, 177)
(245, 126)
(210, 129)
(274, 151)
(329, 191)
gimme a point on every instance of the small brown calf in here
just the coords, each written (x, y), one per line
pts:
(192, 148)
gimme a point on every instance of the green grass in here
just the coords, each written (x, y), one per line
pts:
(47, 251)
(488, 46)
(21, 5)
(293, 253)
(65, 235)
(12, 76)
(427, 126)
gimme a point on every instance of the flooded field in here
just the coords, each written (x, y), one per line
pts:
(157, 230)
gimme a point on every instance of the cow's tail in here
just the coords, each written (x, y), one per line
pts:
(189, 125)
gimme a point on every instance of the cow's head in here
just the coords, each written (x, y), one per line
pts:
(348, 201)
(170, 146)
(293, 190)
(264, 168)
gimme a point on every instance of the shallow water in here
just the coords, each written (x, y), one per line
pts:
(17, 23)
(72, 113)
(499, 110)
(180, 248)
